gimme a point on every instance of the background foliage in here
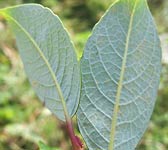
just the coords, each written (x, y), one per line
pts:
(24, 122)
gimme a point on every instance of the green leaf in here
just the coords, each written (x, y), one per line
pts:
(42, 146)
(48, 56)
(120, 77)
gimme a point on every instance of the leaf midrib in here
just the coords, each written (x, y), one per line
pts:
(57, 86)
(120, 83)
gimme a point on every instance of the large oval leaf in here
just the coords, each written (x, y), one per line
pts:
(48, 56)
(120, 76)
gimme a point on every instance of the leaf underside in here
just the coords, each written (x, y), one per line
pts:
(48, 56)
(120, 76)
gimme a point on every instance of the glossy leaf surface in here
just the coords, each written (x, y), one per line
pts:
(120, 76)
(48, 56)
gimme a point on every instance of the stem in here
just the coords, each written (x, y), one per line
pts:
(76, 142)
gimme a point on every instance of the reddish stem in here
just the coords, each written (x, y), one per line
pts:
(75, 140)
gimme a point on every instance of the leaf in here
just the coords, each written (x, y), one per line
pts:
(120, 77)
(48, 56)
(42, 146)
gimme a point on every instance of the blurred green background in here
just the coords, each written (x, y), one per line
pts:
(24, 121)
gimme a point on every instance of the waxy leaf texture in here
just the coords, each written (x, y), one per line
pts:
(48, 56)
(120, 76)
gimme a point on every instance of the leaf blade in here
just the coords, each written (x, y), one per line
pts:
(41, 36)
(119, 89)
(112, 75)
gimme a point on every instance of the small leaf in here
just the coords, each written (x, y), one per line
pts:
(48, 56)
(42, 146)
(120, 77)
